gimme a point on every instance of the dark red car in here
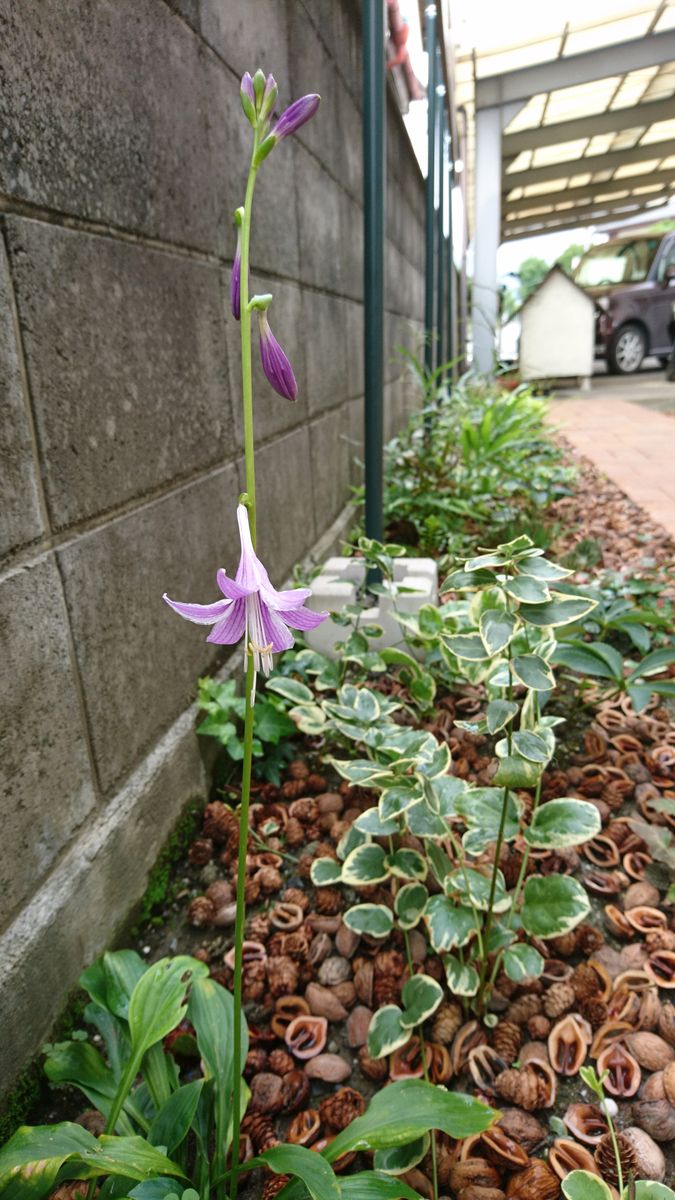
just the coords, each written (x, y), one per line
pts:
(632, 280)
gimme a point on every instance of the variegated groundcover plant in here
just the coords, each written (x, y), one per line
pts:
(164, 1137)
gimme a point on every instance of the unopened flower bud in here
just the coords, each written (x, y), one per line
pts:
(275, 363)
(269, 98)
(296, 115)
(247, 97)
(235, 281)
(259, 82)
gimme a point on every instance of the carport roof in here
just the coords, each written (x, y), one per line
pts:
(588, 106)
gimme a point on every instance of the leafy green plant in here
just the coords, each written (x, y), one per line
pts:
(224, 718)
(600, 661)
(515, 607)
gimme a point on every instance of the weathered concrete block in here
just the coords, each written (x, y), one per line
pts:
(249, 36)
(331, 454)
(20, 517)
(324, 322)
(288, 523)
(46, 790)
(355, 344)
(138, 660)
(74, 917)
(127, 362)
(294, 328)
(319, 229)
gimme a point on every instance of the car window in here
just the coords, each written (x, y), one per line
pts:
(617, 262)
(667, 260)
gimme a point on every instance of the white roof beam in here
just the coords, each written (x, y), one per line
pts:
(651, 151)
(613, 121)
(590, 191)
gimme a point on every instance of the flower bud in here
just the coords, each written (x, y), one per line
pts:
(275, 363)
(247, 97)
(235, 281)
(296, 115)
(259, 82)
(269, 98)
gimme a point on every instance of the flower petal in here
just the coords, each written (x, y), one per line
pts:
(201, 614)
(275, 630)
(230, 587)
(295, 115)
(251, 575)
(302, 618)
(291, 598)
(231, 629)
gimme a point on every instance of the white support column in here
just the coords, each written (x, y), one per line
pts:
(487, 225)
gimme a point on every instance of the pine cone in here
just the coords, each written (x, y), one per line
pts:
(447, 1021)
(606, 1162)
(261, 1131)
(294, 895)
(521, 1087)
(279, 1062)
(273, 1185)
(251, 890)
(316, 783)
(293, 789)
(589, 939)
(200, 912)
(269, 880)
(559, 999)
(253, 982)
(220, 823)
(258, 928)
(585, 982)
(536, 1181)
(313, 833)
(282, 975)
(200, 852)
(329, 901)
(256, 1060)
(305, 810)
(594, 1010)
(564, 945)
(295, 945)
(539, 1027)
(386, 990)
(507, 1040)
(520, 1011)
(340, 1109)
(373, 1068)
(298, 769)
(294, 833)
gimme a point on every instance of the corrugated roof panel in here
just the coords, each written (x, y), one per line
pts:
(641, 168)
(661, 131)
(563, 152)
(608, 33)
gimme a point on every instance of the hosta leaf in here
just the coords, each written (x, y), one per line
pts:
(468, 646)
(561, 610)
(534, 672)
(541, 568)
(365, 865)
(407, 864)
(578, 656)
(421, 996)
(370, 822)
(553, 904)
(423, 822)
(111, 979)
(522, 962)
(449, 924)
(528, 589)
(372, 1185)
(395, 800)
(159, 1000)
(497, 627)
(562, 823)
(474, 887)
(516, 772)
(374, 919)
(462, 978)
(499, 713)
(531, 746)
(409, 904)
(290, 689)
(387, 1031)
(584, 1185)
(313, 1169)
(324, 872)
(174, 1118)
(397, 1159)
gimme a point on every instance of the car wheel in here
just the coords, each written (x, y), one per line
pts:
(628, 348)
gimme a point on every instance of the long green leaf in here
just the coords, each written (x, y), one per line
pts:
(174, 1119)
(314, 1170)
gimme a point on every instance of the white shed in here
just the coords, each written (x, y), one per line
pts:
(557, 330)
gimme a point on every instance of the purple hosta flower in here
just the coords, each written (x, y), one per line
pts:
(235, 281)
(252, 608)
(247, 97)
(275, 363)
(295, 115)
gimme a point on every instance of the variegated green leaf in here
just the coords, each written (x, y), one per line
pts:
(563, 823)
(409, 904)
(387, 1031)
(407, 864)
(450, 925)
(421, 996)
(325, 872)
(373, 919)
(462, 978)
(553, 904)
(365, 865)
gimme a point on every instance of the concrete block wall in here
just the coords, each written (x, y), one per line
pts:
(122, 157)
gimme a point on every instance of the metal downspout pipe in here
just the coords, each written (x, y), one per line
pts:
(374, 180)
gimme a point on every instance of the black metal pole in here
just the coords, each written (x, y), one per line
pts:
(440, 214)
(452, 275)
(374, 178)
(430, 34)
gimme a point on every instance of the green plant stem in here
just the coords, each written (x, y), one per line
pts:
(262, 845)
(123, 1089)
(249, 456)
(615, 1146)
(423, 1048)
